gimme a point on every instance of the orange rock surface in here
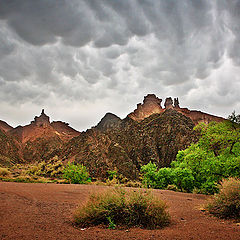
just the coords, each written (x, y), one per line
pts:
(152, 104)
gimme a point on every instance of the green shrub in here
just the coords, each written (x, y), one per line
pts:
(112, 174)
(123, 208)
(4, 172)
(226, 204)
(76, 174)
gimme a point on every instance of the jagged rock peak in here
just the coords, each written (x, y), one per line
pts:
(168, 103)
(150, 98)
(41, 121)
(108, 121)
(176, 103)
(152, 105)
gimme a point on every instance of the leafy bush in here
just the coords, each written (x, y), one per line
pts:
(131, 208)
(4, 171)
(226, 204)
(76, 174)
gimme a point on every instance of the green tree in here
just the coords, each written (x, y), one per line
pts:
(204, 164)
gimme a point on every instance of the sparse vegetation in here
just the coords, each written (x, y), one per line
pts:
(123, 208)
(4, 172)
(51, 169)
(226, 204)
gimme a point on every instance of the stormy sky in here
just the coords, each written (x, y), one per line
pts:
(79, 59)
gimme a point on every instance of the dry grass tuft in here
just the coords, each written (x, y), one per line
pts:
(226, 204)
(123, 208)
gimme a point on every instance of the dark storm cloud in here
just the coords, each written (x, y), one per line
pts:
(83, 52)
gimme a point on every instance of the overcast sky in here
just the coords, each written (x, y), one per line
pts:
(80, 59)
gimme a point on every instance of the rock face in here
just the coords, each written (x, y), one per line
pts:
(108, 121)
(168, 103)
(42, 120)
(10, 150)
(4, 126)
(152, 104)
(131, 144)
(40, 140)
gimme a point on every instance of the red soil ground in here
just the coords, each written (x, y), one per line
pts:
(44, 211)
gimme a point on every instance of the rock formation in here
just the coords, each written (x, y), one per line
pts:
(150, 133)
(168, 103)
(108, 121)
(152, 104)
(39, 140)
(176, 103)
(42, 120)
(131, 144)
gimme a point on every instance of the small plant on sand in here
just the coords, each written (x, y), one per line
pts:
(123, 208)
(76, 174)
(111, 224)
(226, 204)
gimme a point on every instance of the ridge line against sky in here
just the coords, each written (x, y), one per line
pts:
(80, 59)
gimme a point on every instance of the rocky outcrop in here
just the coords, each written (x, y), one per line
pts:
(152, 104)
(168, 103)
(10, 150)
(42, 121)
(63, 130)
(41, 140)
(131, 144)
(110, 120)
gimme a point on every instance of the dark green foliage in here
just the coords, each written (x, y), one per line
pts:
(202, 165)
(123, 208)
(226, 204)
(76, 174)
(181, 178)
(112, 174)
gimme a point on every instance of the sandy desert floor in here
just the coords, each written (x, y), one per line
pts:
(44, 211)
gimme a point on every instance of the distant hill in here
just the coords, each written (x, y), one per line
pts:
(4, 126)
(40, 140)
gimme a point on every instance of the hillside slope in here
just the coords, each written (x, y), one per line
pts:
(131, 144)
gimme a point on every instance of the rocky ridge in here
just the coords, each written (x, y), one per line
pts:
(149, 133)
(152, 104)
(40, 140)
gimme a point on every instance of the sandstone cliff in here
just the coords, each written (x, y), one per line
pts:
(152, 104)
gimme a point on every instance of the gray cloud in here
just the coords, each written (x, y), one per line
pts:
(105, 55)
